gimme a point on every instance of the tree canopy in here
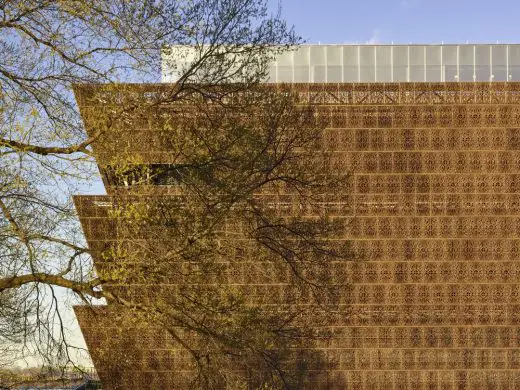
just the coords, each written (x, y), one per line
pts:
(224, 164)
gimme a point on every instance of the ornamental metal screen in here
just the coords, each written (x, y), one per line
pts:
(432, 297)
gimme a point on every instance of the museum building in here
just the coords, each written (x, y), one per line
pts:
(430, 135)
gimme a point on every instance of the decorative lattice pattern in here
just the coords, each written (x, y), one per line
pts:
(432, 299)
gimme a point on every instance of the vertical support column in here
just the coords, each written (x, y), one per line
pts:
(507, 63)
(408, 63)
(342, 64)
(458, 62)
(326, 64)
(276, 70)
(392, 62)
(310, 65)
(442, 65)
(359, 63)
(424, 60)
(375, 63)
(292, 66)
(490, 63)
(474, 62)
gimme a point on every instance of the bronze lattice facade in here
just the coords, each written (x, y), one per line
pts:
(433, 297)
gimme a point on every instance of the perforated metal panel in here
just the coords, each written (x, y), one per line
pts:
(432, 300)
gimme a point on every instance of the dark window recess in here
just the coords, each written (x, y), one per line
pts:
(152, 174)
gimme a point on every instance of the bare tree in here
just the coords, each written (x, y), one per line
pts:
(231, 167)
(224, 165)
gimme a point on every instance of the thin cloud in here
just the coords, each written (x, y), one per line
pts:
(374, 39)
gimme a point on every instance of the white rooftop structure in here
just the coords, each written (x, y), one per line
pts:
(389, 63)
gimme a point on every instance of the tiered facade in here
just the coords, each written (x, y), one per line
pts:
(433, 293)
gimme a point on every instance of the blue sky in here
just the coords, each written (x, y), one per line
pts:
(404, 21)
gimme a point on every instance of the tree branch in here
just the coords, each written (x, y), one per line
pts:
(47, 150)
(87, 288)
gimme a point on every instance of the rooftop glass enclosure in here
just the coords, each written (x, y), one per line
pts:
(392, 63)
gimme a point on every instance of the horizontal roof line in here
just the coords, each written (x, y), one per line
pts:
(410, 44)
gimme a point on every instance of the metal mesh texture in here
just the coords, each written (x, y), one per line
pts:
(432, 299)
